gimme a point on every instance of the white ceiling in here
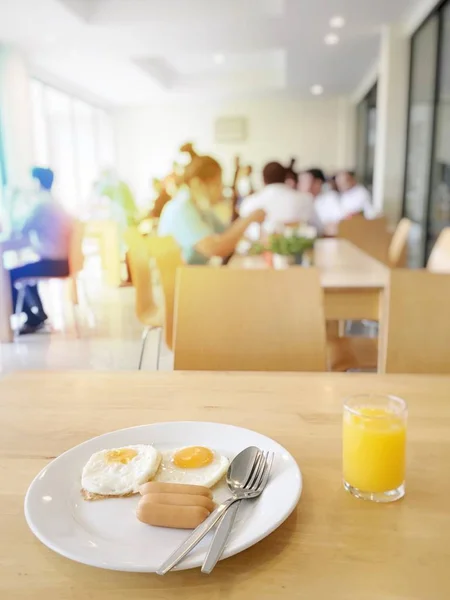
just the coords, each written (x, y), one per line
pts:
(135, 51)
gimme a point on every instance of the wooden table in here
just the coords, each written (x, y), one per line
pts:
(333, 547)
(352, 281)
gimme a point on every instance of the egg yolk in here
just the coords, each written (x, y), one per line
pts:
(123, 456)
(193, 458)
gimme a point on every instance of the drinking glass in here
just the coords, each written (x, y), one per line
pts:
(374, 447)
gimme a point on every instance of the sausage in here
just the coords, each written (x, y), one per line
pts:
(178, 500)
(163, 515)
(153, 487)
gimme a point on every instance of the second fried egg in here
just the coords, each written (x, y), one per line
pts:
(193, 465)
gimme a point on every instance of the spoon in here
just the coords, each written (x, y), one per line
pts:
(238, 476)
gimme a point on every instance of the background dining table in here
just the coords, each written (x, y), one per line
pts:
(332, 546)
(353, 282)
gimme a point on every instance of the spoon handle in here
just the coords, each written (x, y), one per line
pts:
(220, 538)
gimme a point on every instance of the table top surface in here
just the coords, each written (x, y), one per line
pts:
(332, 546)
(341, 265)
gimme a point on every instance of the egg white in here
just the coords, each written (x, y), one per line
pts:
(116, 479)
(206, 476)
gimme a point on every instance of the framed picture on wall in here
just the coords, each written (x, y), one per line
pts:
(231, 130)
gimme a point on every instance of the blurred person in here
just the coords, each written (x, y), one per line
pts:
(292, 175)
(188, 218)
(244, 183)
(161, 189)
(242, 186)
(292, 179)
(122, 201)
(332, 185)
(355, 198)
(283, 205)
(48, 230)
(188, 149)
(327, 206)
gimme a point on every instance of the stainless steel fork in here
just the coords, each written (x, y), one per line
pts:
(254, 489)
(226, 523)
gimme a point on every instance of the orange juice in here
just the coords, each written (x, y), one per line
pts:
(374, 441)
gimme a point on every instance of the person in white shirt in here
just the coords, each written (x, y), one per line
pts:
(355, 198)
(283, 205)
(327, 205)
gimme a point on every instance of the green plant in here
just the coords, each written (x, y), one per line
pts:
(293, 245)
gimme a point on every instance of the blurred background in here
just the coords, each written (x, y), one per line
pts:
(106, 92)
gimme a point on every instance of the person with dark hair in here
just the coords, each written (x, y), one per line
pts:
(326, 202)
(355, 198)
(274, 172)
(188, 218)
(48, 230)
(283, 205)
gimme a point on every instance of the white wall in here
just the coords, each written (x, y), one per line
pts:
(319, 132)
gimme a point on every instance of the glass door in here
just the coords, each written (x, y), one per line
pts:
(366, 138)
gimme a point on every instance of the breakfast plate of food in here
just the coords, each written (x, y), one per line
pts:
(127, 499)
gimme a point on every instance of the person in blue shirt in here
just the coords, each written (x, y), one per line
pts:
(188, 217)
(48, 231)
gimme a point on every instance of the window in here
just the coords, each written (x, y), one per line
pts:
(439, 208)
(420, 134)
(60, 140)
(427, 178)
(73, 138)
(366, 138)
(86, 149)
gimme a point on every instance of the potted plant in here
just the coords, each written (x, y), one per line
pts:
(287, 248)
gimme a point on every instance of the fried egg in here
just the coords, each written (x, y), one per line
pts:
(120, 471)
(194, 465)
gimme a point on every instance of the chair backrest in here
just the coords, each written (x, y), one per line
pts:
(439, 261)
(249, 320)
(140, 271)
(168, 257)
(369, 235)
(76, 256)
(399, 244)
(417, 323)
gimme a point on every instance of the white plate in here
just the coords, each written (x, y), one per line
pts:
(107, 534)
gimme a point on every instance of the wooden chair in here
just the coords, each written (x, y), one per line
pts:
(168, 258)
(398, 247)
(369, 235)
(249, 320)
(439, 261)
(352, 354)
(76, 264)
(147, 311)
(417, 323)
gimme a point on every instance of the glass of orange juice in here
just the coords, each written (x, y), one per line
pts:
(374, 447)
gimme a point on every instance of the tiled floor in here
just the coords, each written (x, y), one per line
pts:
(110, 336)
